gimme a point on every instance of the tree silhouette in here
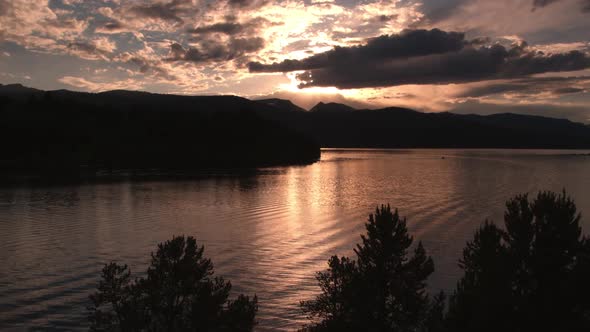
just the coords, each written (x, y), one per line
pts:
(179, 293)
(482, 299)
(532, 276)
(382, 289)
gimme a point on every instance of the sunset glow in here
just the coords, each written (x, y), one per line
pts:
(293, 86)
(193, 47)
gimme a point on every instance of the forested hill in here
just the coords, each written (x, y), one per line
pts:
(64, 131)
(336, 125)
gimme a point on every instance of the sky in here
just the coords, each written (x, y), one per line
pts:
(464, 56)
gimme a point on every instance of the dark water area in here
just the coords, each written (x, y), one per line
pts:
(267, 231)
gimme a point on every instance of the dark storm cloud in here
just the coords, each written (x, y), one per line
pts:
(423, 57)
(532, 62)
(407, 44)
(215, 51)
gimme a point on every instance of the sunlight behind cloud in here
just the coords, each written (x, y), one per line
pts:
(293, 86)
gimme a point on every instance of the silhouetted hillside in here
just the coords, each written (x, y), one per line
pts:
(331, 107)
(18, 91)
(282, 104)
(337, 125)
(65, 131)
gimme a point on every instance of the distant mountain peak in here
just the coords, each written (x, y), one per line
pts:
(14, 85)
(331, 107)
(17, 88)
(282, 104)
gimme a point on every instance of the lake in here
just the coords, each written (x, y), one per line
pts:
(267, 231)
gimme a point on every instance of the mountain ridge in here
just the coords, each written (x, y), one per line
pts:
(338, 125)
(274, 102)
(332, 107)
(285, 104)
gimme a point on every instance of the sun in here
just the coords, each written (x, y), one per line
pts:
(293, 86)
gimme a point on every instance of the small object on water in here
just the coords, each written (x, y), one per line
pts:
(443, 157)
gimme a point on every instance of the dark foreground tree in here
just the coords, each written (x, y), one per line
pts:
(382, 289)
(179, 293)
(531, 276)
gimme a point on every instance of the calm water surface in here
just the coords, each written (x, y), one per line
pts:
(267, 232)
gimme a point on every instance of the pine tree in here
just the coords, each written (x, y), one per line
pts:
(482, 300)
(382, 289)
(179, 293)
(531, 276)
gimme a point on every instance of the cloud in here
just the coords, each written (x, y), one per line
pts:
(97, 49)
(542, 87)
(366, 19)
(147, 63)
(134, 16)
(563, 91)
(437, 11)
(585, 4)
(33, 24)
(233, 28)
(228, 28)
(493, 89)
(423, 57)
(561, 21)
(111, 27)
(214, 51)
(164, 11)
(80, 82)
(542, 3)
(407, 44)
(246, 4)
